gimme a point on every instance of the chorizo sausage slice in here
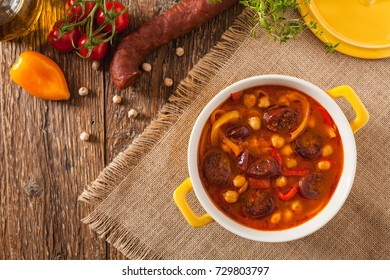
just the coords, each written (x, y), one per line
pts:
(216, 167)
(281, 118)
(263, 168)
(308, 145)
(238, 132)
(257, 203)
(307, 186)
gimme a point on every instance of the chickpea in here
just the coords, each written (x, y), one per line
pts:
(324, 165)
(179, 51)
(254, 123)
(83, 91)
(312, 122)
(239, 181)
(117, 99)
(281, 181)
(276, 217)
(277, 141)
(147, 67)
(230, 196)
(287, 150)
(132, 113)
(296, 206)
(331, 132)
(327, 150)
(168, 82)
(84, 136)
(291, 162)
(264, 102)
(283, 100)
(287, 215)
(249, 100)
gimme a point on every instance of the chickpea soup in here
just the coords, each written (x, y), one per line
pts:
(270, 157)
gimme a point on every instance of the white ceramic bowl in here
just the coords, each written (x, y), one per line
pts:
(345, 128)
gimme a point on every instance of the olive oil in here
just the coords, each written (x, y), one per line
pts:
(17, 17)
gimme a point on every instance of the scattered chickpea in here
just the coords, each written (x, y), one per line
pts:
(230, 196)
(287, 150)
(287, 215)
(296, 206)
(179, 51)
(264, 102)
(239, 181)
(254, 122)
(146, 67)
(133, 113)
(168, 82)
(276, 217)
(83, 91)
(281, 181)
(327, 150)
(277, 141)
(312, 122)
(249, 100)
(84, 136)
(323, 165)
(291, 162)
(96, 65)
(117, 99)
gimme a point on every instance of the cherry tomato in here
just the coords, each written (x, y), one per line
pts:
(98, 52)
(68, 39)
(121, 22)
(78, 10)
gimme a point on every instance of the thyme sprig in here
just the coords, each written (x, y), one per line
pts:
(276, 17)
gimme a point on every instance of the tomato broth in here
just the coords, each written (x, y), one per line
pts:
(270, 157)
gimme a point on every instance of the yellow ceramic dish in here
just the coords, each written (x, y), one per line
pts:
(362, 27)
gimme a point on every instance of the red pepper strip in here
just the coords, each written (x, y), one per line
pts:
(277, 156)
(326, 116)
(288, 195)
(295, 172)
(236, 95)
(259, 183)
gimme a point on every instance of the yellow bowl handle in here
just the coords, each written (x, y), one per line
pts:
(180, 199)
(361, 112)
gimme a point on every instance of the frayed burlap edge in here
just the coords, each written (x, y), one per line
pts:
(186, 92)
(117, 235)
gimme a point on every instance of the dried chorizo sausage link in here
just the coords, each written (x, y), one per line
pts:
(176, 22)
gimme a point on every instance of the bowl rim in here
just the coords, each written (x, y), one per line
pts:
(342, 189)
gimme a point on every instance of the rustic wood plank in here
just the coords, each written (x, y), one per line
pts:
(44, 164)
(149, 94)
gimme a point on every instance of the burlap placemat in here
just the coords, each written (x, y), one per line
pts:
(135, 211)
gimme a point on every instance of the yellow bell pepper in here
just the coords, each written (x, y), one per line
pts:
(40, 76)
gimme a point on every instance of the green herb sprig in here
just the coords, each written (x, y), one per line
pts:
(276, 17)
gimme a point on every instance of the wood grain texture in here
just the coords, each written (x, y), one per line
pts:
(44, 165)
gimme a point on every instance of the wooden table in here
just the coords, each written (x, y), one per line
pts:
(44, 165)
